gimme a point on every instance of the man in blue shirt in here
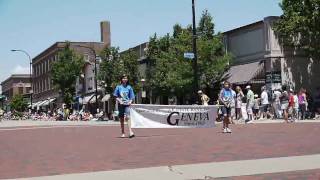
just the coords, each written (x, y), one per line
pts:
(124, 95)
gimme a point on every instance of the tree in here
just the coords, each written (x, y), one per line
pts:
(110, 68)
(18, 103)
(299, 26)
(115, 64)
(170, 72)
(65, 72)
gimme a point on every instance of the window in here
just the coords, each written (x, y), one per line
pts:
(43, 68)
(38, 87)
(48, 64)
(20, 89)
(86, 57)
(43, 85)
(28, 89)
(49, 83)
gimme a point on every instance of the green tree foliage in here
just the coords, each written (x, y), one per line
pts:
(65, 72)
(18, 103)
(171, 72)
(299, 26)
(115, 64)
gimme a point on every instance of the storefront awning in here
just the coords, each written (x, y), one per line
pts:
(86, 99)
(93, 99)
(34, 105)
(244, 73)
(41, 103)
(47, 102)
(106, 98)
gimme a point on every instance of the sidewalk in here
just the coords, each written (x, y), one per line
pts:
(31, 123)
(203, 170)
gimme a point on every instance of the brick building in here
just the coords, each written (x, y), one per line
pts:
(16, 84)
(44, 93)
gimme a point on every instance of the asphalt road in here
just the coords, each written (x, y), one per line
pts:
(54, 150)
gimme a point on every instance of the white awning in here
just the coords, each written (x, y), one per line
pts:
(47, 102)
(93, 99)
(41, 103)
(86, 99)
(106, 98)
(35, 104)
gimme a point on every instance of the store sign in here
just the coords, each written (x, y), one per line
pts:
(273, 77)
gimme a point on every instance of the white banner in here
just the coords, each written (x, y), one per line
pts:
(172, 116)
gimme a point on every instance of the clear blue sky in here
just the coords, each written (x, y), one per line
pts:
(34, 25)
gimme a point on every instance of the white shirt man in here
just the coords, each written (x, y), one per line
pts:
(276, 103)
(264, 103)
(264, 98)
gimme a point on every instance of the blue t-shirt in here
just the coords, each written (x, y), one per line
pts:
(125, 93)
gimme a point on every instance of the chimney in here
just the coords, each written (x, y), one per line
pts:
(105, 32)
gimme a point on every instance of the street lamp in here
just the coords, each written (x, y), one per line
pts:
(95, 72)
(31, 82)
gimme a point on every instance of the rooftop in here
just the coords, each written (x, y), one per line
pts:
(13, 76)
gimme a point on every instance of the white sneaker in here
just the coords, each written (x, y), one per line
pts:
(225, 130)
(123, 136)
(229, 130)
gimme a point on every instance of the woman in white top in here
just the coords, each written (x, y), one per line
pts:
(239, 97)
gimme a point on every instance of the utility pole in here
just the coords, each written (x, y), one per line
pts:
(194, 47)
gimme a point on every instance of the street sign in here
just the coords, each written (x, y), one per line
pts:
(273, 77)
(188, 55)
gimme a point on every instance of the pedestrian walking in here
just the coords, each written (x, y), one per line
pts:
(291, 106)
(1, 114)
(250, 103)
(239, 97)
(204, 98)
(296, 106)
(225, 98)
(276, 104)
(233, 105)
(124, 95)
(317, 102)
(256, 107)
(302, 98)
(265, 103)
(284, 100)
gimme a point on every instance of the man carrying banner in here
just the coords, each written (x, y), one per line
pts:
(225, 98)
(124, 95)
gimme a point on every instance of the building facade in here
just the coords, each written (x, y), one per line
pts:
(44, 91)
(259, 59)
(16, 84)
